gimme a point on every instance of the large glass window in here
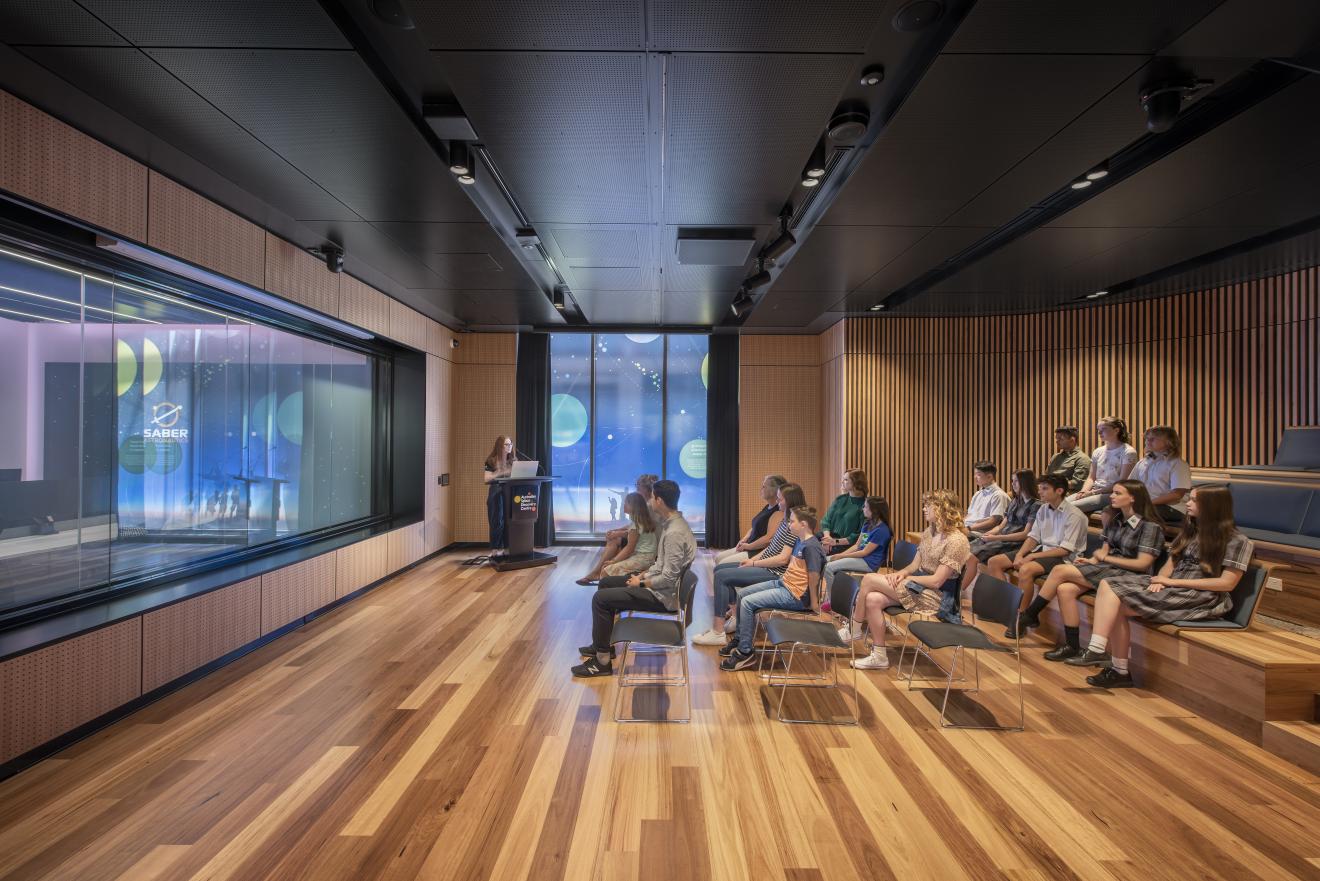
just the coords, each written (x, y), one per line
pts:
(144, 432)
(624, 405)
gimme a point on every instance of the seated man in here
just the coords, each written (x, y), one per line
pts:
(1058, 536)
(794, 591)
(655, 590)
(1071, 462)
(989, 502)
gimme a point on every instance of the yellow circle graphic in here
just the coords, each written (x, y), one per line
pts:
(151, 366)
(126, 366)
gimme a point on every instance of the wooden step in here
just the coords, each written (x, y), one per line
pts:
(1298, 742)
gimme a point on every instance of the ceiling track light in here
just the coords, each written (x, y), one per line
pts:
(816, 164)
(559, 297)
(877, 307)
(742, 304)
(785, 241)
(1080, 184)
(760, 279)
(1100, 171)
(1097, 295)
(460, 158)
(873, 75)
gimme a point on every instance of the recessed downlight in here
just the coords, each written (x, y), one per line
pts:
(1080, 184)
(877, 307)
(1098, 172)
(810, 181)
(873, 75)
(460, 158)
(1097, 295)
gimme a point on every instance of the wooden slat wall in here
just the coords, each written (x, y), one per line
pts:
(834, 412)
(484, 393)
(927, 397)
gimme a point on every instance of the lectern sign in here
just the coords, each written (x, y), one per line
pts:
(525, 504)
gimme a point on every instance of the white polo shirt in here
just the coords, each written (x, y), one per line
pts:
(1162, 474)
(1061, 527)
(988, 501)
(1109, 464)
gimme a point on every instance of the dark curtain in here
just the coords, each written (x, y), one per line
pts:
(532, 414)
(722, 444)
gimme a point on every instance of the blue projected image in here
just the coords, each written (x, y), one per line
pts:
(645, 414)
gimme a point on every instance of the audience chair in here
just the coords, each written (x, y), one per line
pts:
(925, 605)
(992, 600)
(1246, 599)
(821, 633)
(662, 634)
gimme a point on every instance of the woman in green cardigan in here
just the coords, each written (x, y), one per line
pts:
(842, 523)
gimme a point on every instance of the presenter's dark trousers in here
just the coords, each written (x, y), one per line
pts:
(612, 598)
(499, 533)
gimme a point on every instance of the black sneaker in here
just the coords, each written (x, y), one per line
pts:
(1028, 622)
(1063, 652)
(1089, 658)
(1011, 632)
(591, 668)
(1111, 678)
(737, 661)
(589, 651)
(728, 648)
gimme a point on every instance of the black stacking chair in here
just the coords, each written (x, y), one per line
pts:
(660, 633)
(992, 600)
(812, 634)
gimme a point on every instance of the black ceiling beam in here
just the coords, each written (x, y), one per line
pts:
(1241, 93)
(844, 161)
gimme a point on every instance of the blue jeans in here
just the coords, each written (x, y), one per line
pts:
(730, 577)
(772, 595)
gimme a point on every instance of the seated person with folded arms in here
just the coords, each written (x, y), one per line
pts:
(1111, 462)
(1058, 536)
(1071, 462)
(1165, 472)
(763, 526)
(638, 551)
(940, 556)
(843, 520)
(655, 590)
(1134, 538)
(872, 548)
(1206, 562)
(794, 591)
(988, 502)
(615, 539)
(1012, 531)
(766, 566)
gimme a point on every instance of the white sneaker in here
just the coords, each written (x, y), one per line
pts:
(710, 637)
(876, 660)
(850, 631)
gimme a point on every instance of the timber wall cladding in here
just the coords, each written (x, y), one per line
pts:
(190, 226)
(1229, 368)
(296, 591)
(779, 418)
(484, 391)
(295, 275)
(180, 638)
(438, 511)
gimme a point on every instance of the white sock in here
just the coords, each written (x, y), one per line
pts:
(1119, 664)
(604, 658)
(1097, 644)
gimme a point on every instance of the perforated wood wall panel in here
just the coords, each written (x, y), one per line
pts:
(439, 401)
(1228, 368)
(439, 339)
(363, 305)
(294, 274)
(484, 395)
(180, 638)
(48, 162)
(361, 564)
(406, 546)
(779, 417)
(294, 591)
(408, 326)
(50, 691)
(190, 226)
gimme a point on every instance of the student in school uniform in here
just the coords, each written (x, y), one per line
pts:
(1111, 462)
(1165, 473)
(1008, 535)
(988, 503)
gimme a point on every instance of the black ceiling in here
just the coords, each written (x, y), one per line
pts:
(613, 124)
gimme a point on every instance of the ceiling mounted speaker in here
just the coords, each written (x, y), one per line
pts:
(392, 13)
(918, 15)
(848, 127)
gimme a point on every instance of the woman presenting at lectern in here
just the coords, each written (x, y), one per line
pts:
(498, 464)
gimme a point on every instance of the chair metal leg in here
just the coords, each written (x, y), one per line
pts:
(625, 681)
(787, 681)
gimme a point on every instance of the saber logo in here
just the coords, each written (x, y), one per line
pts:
(164, 418)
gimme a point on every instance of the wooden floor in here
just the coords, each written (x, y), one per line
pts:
(430, 729)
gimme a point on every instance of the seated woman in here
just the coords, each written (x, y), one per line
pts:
(763, 526)
(1134, 538)
(843, 520)
(1205, 563)
(766, 566)
(1111, 462)
(638, 551)
(940, 556)
(616, 538)
(872, 548)
(1166, 474)
(1009, 534)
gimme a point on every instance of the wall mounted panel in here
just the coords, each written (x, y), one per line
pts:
(295, 591)
(294, 274)
(180, 638)
(363, 305)
(192, 227)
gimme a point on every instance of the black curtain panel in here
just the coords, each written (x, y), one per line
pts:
(532, 414)
(722, 444)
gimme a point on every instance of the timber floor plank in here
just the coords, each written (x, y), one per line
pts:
(430, 730)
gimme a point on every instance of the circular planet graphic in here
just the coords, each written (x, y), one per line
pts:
(261, 415)
(168, 456)
(692, 458)
(136, 455)
(568, 420)
(289, 417)
(643, 337)
(705, 372)
(151, 366)
(125, 366)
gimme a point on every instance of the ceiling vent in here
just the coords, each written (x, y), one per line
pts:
(715, 247)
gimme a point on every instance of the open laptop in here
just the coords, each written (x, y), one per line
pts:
(525, 468)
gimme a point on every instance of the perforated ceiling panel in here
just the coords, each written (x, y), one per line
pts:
(567, 130)
(565, 25)
(1125, 26)
(53, 23)
(765, 25)
(741, 127)
(359, 147)
(275, 24)
(839, 258)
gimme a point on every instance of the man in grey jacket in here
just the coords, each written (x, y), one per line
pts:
(655, 590)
